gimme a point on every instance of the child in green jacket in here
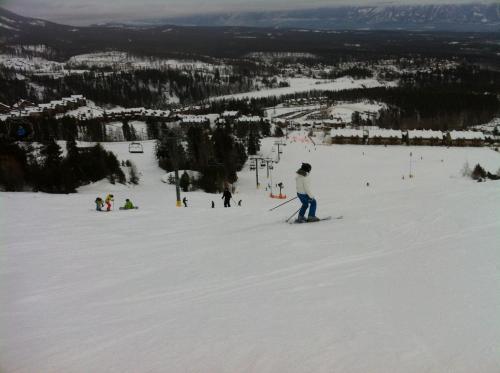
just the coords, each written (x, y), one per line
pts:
(128, 205)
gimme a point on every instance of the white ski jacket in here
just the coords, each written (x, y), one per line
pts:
(303, 184)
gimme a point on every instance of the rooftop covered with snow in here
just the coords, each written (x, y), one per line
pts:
(346, 132)
(424, 134)
(384, 133)
(466, 135)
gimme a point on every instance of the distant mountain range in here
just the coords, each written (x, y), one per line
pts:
(449, 17)
(60, 42)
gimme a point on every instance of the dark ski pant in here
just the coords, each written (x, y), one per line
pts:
(307, 202)
(227, 202)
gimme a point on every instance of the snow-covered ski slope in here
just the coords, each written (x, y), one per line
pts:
(408, 281)
(308, 84)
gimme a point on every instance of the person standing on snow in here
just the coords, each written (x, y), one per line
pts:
(108, 201)
(227, 197)
(305, 195)
(185, 202)
(99, 204)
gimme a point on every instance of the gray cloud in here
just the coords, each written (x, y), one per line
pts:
(83, 12)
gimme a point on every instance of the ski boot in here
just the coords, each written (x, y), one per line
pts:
(301, 219)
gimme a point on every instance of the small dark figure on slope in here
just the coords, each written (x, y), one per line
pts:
(226, 196)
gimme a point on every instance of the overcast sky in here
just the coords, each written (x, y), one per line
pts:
(84, 12)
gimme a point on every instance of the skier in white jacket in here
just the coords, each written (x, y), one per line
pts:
(305, 194)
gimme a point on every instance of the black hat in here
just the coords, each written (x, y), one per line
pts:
(306, 167)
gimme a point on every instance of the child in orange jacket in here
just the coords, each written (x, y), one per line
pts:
(108, 201)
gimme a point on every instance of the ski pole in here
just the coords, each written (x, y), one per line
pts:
(295, 213)
(284, 203)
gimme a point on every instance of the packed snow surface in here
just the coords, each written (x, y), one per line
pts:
(408, 281)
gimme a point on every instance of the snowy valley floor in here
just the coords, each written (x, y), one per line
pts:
(408, 281)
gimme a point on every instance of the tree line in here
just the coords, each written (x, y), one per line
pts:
(44, 128)
(438, 107)
(25, 166)
(152, 88)
(217, 154)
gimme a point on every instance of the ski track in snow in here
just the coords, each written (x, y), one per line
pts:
(408, 281)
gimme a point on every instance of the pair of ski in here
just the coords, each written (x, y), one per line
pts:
(295, 221)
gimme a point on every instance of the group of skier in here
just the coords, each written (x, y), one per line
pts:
(108, 201)
(304, 194)
(99, 203)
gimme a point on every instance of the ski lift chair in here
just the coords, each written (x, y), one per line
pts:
(135, 147)
(253, 163)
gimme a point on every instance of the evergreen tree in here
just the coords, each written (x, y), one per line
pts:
(184, 181)
(253, 144)
(199, 148)
(356, 118)
(114, 170)
(265, 128)
(72, 173)
(126, 131)
(133, 174)
(478, 172)
(212, 179)
(225, 153)
(50, 178)
(153, 128)
(241, 155)
(13, 167)
(133, 134)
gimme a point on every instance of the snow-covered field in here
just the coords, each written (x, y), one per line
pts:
(344, 111)
(309, 84)
(123, 60)
(340, 112)
(408, 281)
(283, 111)
(30, 64)
(115, 59)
